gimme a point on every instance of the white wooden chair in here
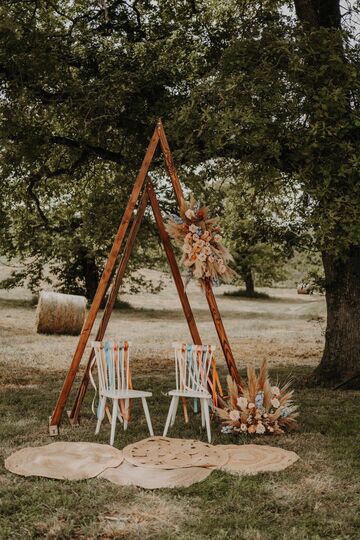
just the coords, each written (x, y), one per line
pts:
(112, 360)
(192, 366)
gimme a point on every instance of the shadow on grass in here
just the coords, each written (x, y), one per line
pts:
(262, 296)
(242, 293)
(18, 303)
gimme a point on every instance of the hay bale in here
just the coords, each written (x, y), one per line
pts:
(302, 288)
(58, 313)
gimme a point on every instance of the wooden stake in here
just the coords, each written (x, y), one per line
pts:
(185, 411)
(189, 316)
(99, 295)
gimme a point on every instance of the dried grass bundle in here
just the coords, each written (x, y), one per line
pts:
(200, 240)
(260, 408)
(59, 313)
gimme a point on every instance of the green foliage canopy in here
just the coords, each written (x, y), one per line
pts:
(83, 82)
(81, 89)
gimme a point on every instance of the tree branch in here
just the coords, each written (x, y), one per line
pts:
(30, 190)
(48, 173)
(99, 151)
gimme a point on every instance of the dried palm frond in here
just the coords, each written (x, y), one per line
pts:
(257, 406)
(286, 398)
(267, 394)
(222, 402)
(289, 423)
(204, 254)
(245, 392)
(287, 385)
(222, 413)
(275, 415)
(233, 390)
(252, 383)
(262, 375)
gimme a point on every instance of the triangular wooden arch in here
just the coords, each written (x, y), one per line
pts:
(144, 185)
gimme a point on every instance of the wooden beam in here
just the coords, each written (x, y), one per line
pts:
(173, 265)
(225, 345)
(99, 295)
(75, 411)
(169, 162)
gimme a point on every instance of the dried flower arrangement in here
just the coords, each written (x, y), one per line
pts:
(200, 239)
(258, 407)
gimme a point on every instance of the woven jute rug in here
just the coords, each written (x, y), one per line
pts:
(130, 475)
(153, 463)
(64, 460)
(256, 458)
(167, 453)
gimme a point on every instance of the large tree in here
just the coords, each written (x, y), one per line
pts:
(331, 97)
(240, 80)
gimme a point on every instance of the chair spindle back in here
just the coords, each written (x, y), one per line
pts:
(113, 364)
(192, 366)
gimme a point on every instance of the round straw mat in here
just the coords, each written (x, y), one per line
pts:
(129, 475)
(256, 458)
(64, 460)
(167, 453)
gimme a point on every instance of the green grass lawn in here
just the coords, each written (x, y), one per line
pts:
(318, 497)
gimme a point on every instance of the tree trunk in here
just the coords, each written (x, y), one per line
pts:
(341, 357)
(249, 282)
(90, 272)
(91, 279)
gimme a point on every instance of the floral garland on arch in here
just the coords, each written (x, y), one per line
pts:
(258, 407)
(200, 240)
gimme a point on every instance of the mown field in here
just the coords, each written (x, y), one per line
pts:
(317, 498)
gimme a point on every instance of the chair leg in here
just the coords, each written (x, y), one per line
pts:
(169, 416)
(120, 417)
(101, 414)
(196, 405)
(202, 413)
(126, 416)
(147, 416)
(207, 418)
(175, 408)
(113, 421)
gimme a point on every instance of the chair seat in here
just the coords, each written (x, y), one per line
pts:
(190, 394)
(125, 394)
